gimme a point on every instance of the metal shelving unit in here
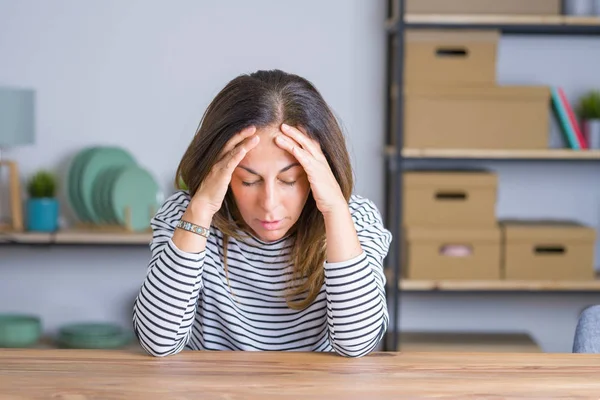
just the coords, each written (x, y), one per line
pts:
(396, 155)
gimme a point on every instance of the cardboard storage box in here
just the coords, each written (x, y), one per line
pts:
(493, 7)
(452, 253)
(449, 198)
(502, 117)
(547, 250)
(446, 57)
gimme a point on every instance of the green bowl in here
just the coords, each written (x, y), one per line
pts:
(19, 330)
(92, 336)
(89, 329)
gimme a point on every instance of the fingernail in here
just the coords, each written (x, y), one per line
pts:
(280, 138)
(285, 126)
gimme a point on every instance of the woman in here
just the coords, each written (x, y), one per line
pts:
(268, 249)
(587, 332)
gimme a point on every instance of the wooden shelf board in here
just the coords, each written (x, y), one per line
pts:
(77, 236)
(543, 20)
(542, 154)
(499, 286)
(455, 285)
(440, 342)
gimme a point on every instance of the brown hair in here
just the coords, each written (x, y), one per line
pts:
(261, 99)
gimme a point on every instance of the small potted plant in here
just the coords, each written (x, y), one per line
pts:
(589, 112)
(42, 205)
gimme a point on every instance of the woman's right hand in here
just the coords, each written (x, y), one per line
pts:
(209, 196)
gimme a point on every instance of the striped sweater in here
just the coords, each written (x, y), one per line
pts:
(186, 301)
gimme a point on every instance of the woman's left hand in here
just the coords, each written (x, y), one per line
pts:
(325, 188)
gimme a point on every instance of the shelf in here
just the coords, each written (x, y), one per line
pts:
(484, 154)
(499, 286)
(443, 342)
(489, 19)
(399, 158)
(508, 24)
(77, 237)
(49, 342)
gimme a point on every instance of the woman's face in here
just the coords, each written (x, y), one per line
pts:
(270, 188)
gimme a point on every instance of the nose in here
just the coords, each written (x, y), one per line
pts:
(269, 198)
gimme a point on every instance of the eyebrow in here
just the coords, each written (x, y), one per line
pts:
(280, 171)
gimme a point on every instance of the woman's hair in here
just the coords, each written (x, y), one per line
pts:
(263, 99)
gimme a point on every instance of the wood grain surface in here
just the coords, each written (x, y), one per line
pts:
(501, 19)
(102, 374)
(542, 154)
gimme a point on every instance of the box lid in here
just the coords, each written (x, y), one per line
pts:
(499, 92)
(450, 178)
(549, 230)
(453, 235)
(452, 37)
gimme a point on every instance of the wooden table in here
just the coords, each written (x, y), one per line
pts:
(97, 374)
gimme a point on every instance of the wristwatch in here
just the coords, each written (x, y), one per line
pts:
(197, 229)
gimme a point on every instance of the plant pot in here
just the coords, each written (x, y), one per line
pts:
(591, 132)
(42, 215)
(579, 7)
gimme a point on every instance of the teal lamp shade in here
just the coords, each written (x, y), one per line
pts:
(17, 124)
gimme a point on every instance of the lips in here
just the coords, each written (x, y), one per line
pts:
(271, 225)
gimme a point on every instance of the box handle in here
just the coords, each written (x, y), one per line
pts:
(456, 250)
(451, 196)
(452, 52)
(549, 249)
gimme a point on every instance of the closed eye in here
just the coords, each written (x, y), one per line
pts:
(292, 183)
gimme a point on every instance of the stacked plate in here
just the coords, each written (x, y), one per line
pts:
(19, 330)
(93, 336)
(106, 186)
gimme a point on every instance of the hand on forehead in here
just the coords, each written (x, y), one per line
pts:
(267, 155)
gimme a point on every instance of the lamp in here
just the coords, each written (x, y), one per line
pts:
(16, 129)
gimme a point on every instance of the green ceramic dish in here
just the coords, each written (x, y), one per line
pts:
(90, 329)
(93, 336)
(135, 189)
(100, 195)
(112, 342)
(19, 330)
(74, 188)
(98, 161)
(108, 209)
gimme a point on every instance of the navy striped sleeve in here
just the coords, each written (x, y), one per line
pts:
(357, 312)
(163, 312)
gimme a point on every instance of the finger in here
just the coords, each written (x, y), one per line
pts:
(237, 139)
(290, 145)
(231, 161)
(286, 143)
(307, 143)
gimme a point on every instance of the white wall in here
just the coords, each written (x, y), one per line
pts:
(139, 73)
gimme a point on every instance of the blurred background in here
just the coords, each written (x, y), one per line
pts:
(99, 100)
